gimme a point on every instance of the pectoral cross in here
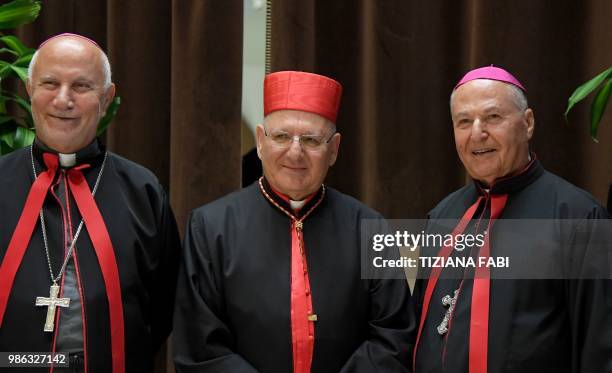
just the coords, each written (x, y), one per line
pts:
(52, 302)
(449, 302)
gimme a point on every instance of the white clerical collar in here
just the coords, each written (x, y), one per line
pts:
(67, 160)
(296, 205)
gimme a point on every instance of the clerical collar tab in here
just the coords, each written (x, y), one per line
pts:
(67, 160)
(296, 205)
(92, 154)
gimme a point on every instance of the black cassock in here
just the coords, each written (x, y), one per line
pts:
(233, 295)
(143, 232)
(559, 324)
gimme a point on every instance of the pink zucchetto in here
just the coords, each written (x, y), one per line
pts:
(72, 35)
(491, 73)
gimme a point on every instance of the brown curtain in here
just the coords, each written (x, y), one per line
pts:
(206, 98)
(399, 60)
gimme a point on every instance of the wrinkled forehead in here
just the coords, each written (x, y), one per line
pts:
(296, 119)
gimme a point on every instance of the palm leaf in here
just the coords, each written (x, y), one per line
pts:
(14, 44)
(22, 72)
(18, 12)
(23, 103)
(584, 90)
(24, 61)
(7, 136)
(23, 137)
(110, 114)
(7, 50)
(599, 106)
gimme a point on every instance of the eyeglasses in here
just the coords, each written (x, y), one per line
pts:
(308, 142)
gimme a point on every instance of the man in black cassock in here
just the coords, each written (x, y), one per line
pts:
(556, 318)
(88, 243)
(270, 280)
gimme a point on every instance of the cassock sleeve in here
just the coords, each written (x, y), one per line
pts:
(590, 296)
(164, 275)
(391, 330)
(203, 342)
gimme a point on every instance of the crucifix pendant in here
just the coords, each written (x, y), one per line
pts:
(447, 301)
(51, 303)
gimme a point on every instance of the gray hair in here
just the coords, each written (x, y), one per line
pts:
(106, 69)
(518, 97)
(328, 123)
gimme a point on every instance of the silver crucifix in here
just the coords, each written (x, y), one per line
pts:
(449, 302)
(52, 302)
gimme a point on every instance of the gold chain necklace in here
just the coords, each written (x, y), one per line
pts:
(298, 222)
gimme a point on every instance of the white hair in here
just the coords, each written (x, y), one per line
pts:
(518, 97)
(106, 69)
(328, 123)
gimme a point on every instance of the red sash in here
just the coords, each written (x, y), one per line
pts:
(302, 315)
(479, 321)
(106, 257)
(302, 318)
(23, 232)
(99, 237)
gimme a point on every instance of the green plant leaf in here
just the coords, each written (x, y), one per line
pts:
(5, 119)
(29, 121)
(598, 106)
(110, 114)
(24, 61)
(4, 149)
(18, 12)
(23, 137)
(7, 50)
(23, 103)
(2, 104)
(25, 106)
(14, 44)
(7, 134)
(581, 92)
(5, 69)
(22, 72)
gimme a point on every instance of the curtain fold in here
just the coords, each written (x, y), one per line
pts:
(205, 155)
(139, 45)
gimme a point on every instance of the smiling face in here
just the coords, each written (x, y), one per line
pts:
(293, 170)
(491, 132)
(68, 94)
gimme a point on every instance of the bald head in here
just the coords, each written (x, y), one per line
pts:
(73, 40)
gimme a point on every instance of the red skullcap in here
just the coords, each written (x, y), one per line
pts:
(296, 90)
